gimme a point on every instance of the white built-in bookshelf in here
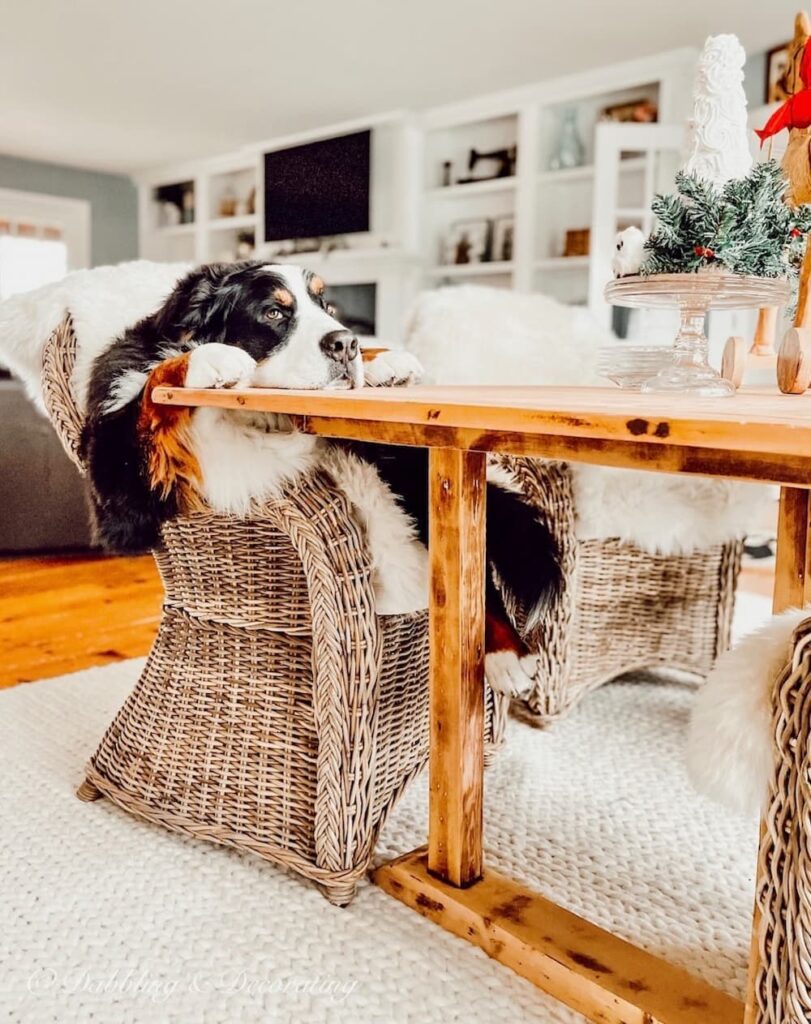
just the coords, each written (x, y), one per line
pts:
(414, 210)
(208, 235)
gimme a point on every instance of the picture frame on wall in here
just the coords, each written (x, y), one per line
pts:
(467, 241)
(778, 67)
(503, 238)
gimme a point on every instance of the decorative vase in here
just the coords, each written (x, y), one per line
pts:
(570, 150)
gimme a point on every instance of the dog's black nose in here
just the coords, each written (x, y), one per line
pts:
(342, 346)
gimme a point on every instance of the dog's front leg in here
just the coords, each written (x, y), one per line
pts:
(164, 430)
(219, 366)
(392, 368)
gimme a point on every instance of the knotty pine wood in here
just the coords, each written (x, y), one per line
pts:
(596, 973)
(457, 499)
(754, 420)
(793, 470)
(792, 580)
(63, 613)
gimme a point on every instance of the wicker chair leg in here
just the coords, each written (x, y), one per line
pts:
(88, 791)
(341, 894)
(522, 712)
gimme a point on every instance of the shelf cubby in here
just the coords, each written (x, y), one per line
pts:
(237, 186)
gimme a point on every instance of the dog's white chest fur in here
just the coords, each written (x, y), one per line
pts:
(245, 457)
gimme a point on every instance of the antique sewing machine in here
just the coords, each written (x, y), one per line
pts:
(503, 159)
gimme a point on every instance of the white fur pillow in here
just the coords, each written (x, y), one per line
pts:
(663, 514)
(729, 747)
(477, 335)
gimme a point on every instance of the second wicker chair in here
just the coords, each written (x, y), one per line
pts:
(620, 609)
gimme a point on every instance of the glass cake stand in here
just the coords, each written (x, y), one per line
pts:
(694, 295)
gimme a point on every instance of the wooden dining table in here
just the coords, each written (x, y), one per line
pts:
(756, 436)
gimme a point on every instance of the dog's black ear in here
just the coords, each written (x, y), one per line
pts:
(190, 306)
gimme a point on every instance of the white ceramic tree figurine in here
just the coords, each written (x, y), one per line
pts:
(718, 137)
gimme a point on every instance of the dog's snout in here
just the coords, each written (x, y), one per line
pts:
(342, 346)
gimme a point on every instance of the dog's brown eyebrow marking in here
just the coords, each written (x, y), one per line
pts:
(283, 296)
(316, 285)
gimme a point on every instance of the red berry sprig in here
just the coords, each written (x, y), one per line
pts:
(795, 233)
(704, 251)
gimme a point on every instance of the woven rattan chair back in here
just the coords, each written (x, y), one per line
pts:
(783, 982)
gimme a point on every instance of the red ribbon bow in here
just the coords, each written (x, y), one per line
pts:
(796, 111)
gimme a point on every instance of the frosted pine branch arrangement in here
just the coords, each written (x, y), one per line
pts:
(745, 227)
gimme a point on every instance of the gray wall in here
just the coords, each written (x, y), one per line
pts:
(755, 81)
(113, 199)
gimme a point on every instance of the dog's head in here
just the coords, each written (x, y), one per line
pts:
(277, 313)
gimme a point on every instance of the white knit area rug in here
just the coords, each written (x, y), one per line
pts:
(106, 918)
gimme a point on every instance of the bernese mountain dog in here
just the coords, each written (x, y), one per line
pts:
(269, 325)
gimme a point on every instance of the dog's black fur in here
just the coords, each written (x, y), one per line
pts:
(229, 304)
(520, 546)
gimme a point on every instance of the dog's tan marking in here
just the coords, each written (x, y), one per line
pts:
(171, 463)
(283, 297)
(500, 634)
(316, 285)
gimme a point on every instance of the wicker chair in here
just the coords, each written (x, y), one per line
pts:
(620, 609)
(783, 981)
(277, 712)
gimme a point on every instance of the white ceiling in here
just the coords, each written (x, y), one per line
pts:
(124, 84)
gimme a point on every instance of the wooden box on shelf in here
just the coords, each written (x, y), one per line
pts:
(577, 242)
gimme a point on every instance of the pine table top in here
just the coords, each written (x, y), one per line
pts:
(755, 420)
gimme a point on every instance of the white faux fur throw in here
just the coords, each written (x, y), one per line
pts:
(477, 335)
(730, 752)
(104, 301)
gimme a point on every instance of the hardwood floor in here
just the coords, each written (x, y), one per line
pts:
(62, 613)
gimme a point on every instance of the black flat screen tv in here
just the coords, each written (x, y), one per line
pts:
(318, 189)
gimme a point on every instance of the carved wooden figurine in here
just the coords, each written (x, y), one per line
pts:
(793, 361)
(794, 357)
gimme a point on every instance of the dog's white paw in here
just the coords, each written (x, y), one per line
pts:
(392, 368)
(219, 366)
(508, 674)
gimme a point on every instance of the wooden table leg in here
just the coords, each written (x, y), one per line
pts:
(591, 970)
(792, 579)
(457, 495)
(792, 589)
